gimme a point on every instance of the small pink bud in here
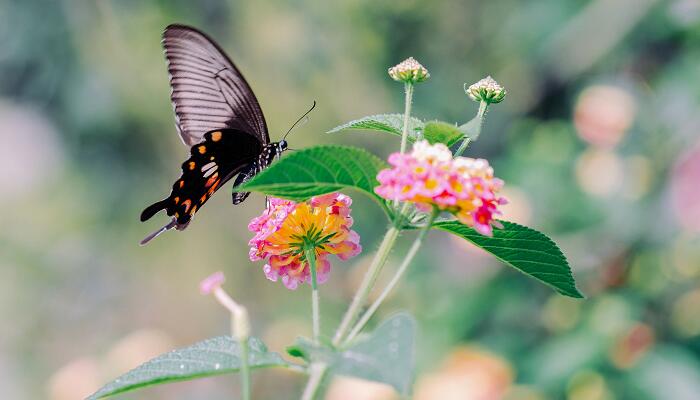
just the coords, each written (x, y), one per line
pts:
(210, 283)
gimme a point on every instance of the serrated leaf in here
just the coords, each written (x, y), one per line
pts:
(390, 123)
(386, 355)
(318, 170)
(524, 249)
(433, 132)
(442, 132)
(215, 356)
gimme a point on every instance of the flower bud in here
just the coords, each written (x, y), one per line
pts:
(409, 71)
(486, 90)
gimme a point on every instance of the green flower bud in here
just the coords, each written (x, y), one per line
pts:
(486, 90)
(409, 71)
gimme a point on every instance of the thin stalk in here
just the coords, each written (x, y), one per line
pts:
(483, 107)
(463, 146)
(408, 99)
(367, 284)
(395, 279)
(318, 372)
(245, 371)
(310, 253)
(240, 330)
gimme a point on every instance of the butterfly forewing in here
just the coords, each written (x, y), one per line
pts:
(208, 91)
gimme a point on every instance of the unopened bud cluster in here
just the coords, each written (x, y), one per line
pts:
(409, 71)
(486, 90)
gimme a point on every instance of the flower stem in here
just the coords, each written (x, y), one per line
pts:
(463, 146)
(367, 284)
(406, 115)
(318, 372)
(483, 107)
(245, 371)
(395, 279)
(240, 330)
(310, 253)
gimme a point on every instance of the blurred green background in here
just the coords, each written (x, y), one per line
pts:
(598, 141)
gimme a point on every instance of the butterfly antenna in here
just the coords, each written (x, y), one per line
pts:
(157, 233)
(299, 120)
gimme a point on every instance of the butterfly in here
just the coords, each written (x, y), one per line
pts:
(218, 116)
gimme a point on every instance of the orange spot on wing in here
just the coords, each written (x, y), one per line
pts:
(211, 180)
(192, 165)
(216, 136)
(202, 149)
(187, 203)
(213, 188)
(176, 199)
(194, 210)
(182, 183)
(203, 199)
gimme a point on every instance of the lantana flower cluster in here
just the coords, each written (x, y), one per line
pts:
(430, 176)
(286, 229)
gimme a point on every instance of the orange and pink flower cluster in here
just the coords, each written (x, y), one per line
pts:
(430, 176)
(285, 229)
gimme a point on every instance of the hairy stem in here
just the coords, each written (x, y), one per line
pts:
(245, 371)
(367, 284)
(483, 107)
(318, 372)
(310, 253)
(406, 115)
(395, 279)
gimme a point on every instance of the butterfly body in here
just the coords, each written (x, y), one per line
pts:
(218, 116)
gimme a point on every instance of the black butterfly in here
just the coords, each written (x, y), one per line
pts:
(218, 116)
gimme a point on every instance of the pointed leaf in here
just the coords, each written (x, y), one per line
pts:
(386, 355)
(215, 356)
(524, 249)
(319, 170)
(390, 123)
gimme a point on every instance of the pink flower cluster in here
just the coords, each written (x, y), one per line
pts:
(429, 176)
(285, 228)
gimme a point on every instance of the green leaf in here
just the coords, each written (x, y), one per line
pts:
(472, 129)
(215, 356)
(433, 131)
(390, 123)
(386, 355)
(442, 132)
(318, 170)
(524, 249)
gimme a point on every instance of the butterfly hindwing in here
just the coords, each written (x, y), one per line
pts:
(212, 162)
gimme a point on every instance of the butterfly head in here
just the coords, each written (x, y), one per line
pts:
(282, 146)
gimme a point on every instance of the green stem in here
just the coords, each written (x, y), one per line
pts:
(245, 370)
(367, 284)
(483, 107)
(310, 253)
(318, 372)
(395, 279)
(463, 146)
(406, 115)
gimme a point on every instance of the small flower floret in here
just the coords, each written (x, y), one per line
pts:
(409, 71)
(286, 229)
(430, 177)
(486, 90)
